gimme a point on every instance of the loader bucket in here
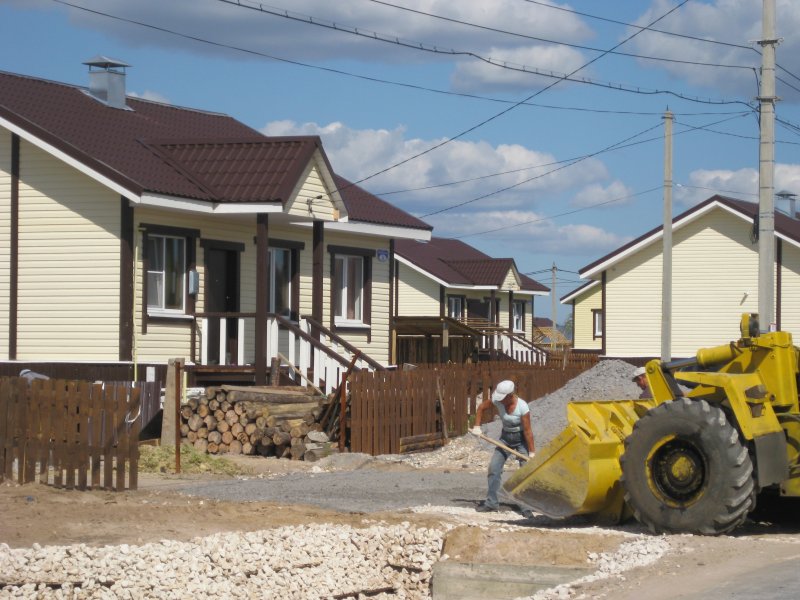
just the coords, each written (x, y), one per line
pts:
(579, 471)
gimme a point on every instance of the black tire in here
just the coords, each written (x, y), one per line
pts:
(685, 470)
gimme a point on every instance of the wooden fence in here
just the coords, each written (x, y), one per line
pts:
(388, 406)
(73, 434)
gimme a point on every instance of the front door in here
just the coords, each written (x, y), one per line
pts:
(221, 297)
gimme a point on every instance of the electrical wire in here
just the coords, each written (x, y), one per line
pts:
(549, 41)
(564, 214)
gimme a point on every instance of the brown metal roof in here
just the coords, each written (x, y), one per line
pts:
(458, 263)
(242, 171)
(175, 151)
(363, 206)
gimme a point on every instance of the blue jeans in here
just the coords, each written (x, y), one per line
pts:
(515, 441)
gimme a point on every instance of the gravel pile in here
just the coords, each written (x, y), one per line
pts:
(297, 563)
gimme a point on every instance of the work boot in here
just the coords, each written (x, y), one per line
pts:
(485, 508)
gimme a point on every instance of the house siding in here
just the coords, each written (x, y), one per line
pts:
(5, 240)
(68, 263)
(417, 294)
(376, 342)
(583, 320)
(715, 275)
(311, 187)
(790, 290)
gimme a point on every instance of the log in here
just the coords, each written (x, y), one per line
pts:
(244, 420)
(201, 445)
(192, 403)
(224, 405)
(212, 448)
(231, 417)
(213, 405)
(287, 424)
(247, 448)
(202, 433)
(250, 428)
(220, 395)
(290, 410)
(223, 426)
(282, 438)
(261, 422)
(214, 437)
(298, 449)
(210, 422)
(316, 451)
(223, 449)
(202, 399)
(202, 410)
(236, 429)
(243, 438)
(219, 415)
(227, 438)
(191, 437)
(186, 412)
(235, 447)
(299, 431)
(239, 408)
(184, 430)
(270, 395)
(195, 422)
(285, 452)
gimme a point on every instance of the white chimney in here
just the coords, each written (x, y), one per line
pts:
(107, 80)
(787, 195)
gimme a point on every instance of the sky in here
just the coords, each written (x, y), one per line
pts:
(529, 129)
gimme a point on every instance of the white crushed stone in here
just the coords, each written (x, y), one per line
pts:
(297, 563)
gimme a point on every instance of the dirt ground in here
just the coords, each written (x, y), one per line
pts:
(40, 514)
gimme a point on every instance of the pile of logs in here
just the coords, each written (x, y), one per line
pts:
(266, 421)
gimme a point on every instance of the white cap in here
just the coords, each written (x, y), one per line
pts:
(638, 372)
(502, 389)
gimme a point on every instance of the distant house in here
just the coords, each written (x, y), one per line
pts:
(446, 285)
(617, 313)
(132, 232)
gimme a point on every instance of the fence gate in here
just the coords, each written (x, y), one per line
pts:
(71, 434)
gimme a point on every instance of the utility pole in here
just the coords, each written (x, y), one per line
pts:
(766, 171)
(666, 272)
(553, 308)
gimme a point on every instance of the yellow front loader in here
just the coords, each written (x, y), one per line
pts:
(720, 428)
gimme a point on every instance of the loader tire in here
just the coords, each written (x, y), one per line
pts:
(685, 470)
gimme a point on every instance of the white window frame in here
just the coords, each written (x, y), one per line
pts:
(457, 302)
(273, 288)
(156, 310)
(518, 315)
(342, 263)
(597, 324)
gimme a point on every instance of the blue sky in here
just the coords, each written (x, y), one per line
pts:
(448, 70)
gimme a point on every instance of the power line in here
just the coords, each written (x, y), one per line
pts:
(614, 146)
(549, 41)
(564, 214)
(375, 36)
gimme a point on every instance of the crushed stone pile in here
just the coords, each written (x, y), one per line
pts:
(296, 563)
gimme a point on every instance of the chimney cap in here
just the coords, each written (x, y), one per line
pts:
(104, 62)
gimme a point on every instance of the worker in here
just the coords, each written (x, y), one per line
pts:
(640, 379)
(517, 435)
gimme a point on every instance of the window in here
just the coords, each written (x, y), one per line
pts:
(166, 273)
(280, 281)
(455, 307)
(518, 315)
(348, 289)
(597, 323)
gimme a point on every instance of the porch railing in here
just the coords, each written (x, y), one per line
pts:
(512, 344)
(228, 339)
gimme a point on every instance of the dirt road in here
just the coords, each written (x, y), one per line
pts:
(281, 493)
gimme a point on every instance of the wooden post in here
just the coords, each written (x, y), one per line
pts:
(178, 395)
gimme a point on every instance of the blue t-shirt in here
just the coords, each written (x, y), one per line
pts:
(513, 419)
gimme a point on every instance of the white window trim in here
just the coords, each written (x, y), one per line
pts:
(514, 305)
(157, 311)
(597, 323)
(338, 319)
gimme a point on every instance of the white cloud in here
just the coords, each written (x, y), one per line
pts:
(730, 21)
(484, 169)
(534, 233)
(296, 39)
(614, 194)
(474, 75)
(150, 95)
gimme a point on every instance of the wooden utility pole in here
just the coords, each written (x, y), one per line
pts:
(666, 273)
(553, 308)
(766, 172)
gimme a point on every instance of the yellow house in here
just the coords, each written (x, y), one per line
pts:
(617, 313)
(447, 291)
(132, 232)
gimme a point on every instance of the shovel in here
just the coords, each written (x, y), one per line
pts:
(500, 444)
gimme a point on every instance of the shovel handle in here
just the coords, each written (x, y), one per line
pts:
(500, 444)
